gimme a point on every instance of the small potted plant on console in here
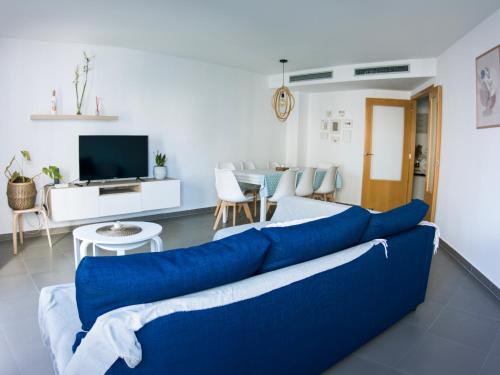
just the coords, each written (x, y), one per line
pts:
(53, 172)
(160, 169)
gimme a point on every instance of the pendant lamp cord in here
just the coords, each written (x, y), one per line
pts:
(283, 75)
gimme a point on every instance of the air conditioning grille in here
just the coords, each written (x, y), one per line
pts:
(382, 70)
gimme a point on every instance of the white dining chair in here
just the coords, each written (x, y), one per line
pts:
(285, 188)
(326, 190)
(230, 195)
(249, 165)
(324, 165)
(226, 165)
(222, 165)
(273, 164)
(305, 188)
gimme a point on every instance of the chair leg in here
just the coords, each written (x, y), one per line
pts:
(20, 224)
(255, 204)
(222, 207)
(248, 214)
(46, 222)
(269, 205)
(14, 232)
(234, 214)
(217, 207)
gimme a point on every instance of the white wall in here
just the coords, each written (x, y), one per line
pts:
(197, 113)
(468, 208)
(311, 149)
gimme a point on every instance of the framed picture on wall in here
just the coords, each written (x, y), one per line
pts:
(335, 126)
(347, 124)
(488, 89)
(335, 139)
(324, 126)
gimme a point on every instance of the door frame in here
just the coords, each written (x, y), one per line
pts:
(439, 102)
(407, 162)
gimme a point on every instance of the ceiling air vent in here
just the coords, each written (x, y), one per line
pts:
(311, 76)
(382, 70)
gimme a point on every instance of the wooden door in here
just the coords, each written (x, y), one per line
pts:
(433, 153)
(388, 155)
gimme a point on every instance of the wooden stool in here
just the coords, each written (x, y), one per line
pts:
(17, 224)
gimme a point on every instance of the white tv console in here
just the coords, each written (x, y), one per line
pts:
(100, 199)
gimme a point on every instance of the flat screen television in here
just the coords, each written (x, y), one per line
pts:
(105, 157)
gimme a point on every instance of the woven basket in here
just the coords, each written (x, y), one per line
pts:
(21, 196)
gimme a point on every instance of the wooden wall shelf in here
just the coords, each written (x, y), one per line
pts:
(72, 117)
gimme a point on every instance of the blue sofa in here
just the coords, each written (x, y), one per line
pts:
(300, 319)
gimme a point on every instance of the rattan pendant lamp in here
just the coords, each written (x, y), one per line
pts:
(283, 100)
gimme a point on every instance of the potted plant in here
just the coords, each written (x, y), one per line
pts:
(160, 170)
(21, 190)
(53, 172)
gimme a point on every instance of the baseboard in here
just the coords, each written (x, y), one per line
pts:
(69, 228)
(490, 286)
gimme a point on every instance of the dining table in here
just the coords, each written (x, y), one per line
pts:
(268, 179)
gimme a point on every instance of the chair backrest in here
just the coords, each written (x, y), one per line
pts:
(227, 186)
(273, 164)
(306, 183)
(324, 165)
(227, 165)
(286, 186)
(328, 184)
(249, 165)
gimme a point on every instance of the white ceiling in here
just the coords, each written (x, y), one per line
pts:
(253, 34)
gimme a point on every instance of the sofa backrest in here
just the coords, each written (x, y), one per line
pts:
(289, 208)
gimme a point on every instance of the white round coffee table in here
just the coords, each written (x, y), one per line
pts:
(87, 235)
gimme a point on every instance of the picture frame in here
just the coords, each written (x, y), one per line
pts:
(488, 89)
(324, 125)
(347, 124)
(346, 136)
(334, 139)
(334, 126)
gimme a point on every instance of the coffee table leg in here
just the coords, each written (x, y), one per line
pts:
(83, 249)
(76, 250)
(156, 244)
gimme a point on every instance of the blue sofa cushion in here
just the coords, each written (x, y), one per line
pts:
(107, 283)
(303, 242)
(395, 221)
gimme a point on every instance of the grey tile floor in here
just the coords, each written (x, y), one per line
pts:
(456, 331)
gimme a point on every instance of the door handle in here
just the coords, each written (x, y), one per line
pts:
(368, 154)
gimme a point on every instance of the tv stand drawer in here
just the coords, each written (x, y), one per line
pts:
(120, 203)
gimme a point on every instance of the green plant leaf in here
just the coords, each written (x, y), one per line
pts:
(26, 155)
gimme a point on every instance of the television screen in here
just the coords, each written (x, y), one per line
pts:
(104, 157)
